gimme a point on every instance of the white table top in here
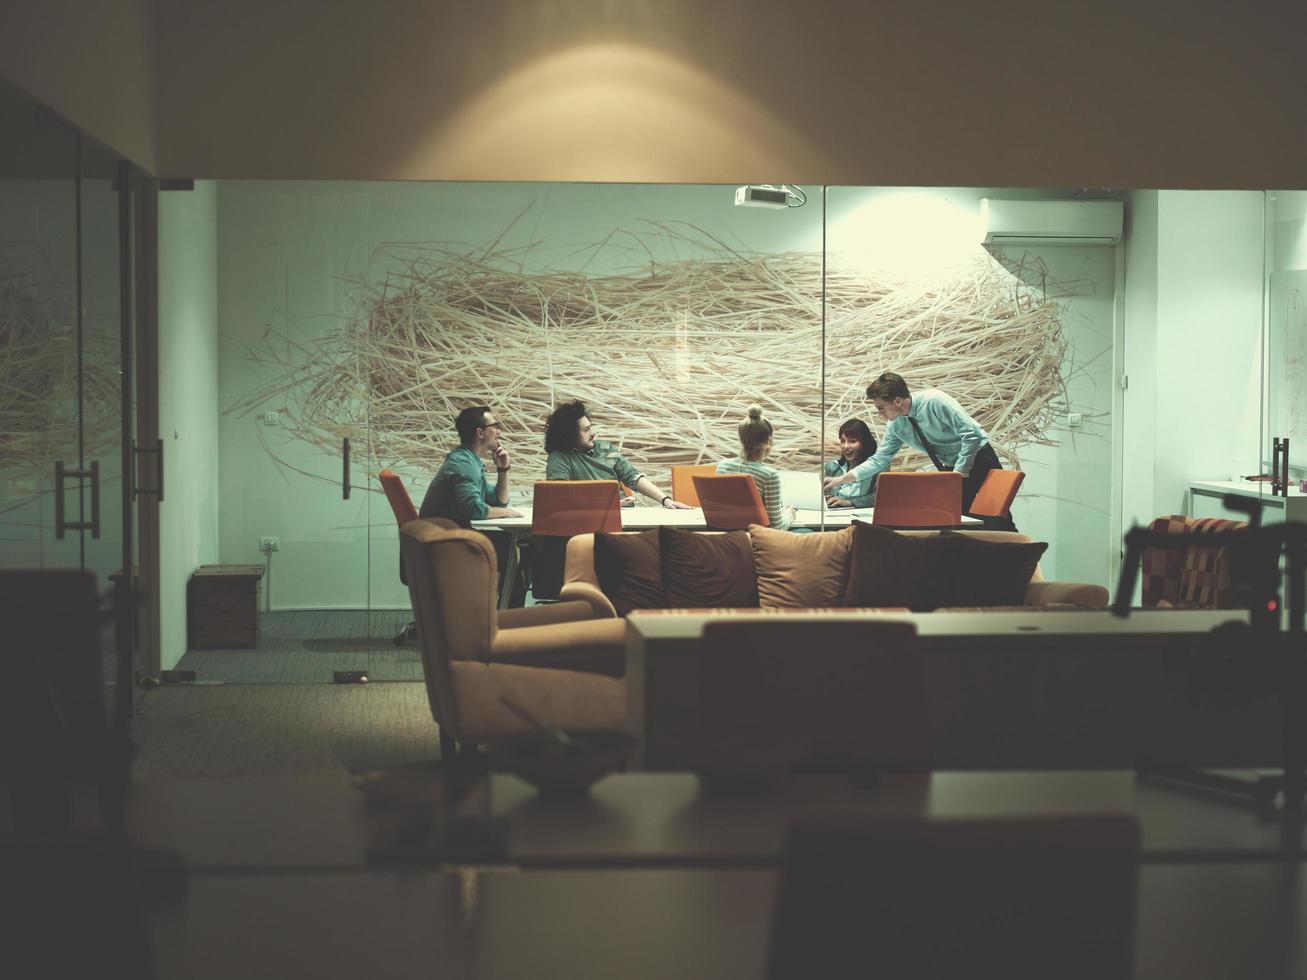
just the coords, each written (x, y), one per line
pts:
(974, 628)
(644, 518)
(1245, 488)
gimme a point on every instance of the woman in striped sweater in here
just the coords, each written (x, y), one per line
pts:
(755, 444)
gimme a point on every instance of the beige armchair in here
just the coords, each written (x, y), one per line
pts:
(557, 661)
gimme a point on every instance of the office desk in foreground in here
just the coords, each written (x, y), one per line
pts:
(1197, 922)
(1004, 690)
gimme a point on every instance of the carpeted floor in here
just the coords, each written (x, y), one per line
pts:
(309, 646)
(281, 730)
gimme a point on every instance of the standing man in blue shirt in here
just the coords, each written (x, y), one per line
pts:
(935, 424)
(459, 490)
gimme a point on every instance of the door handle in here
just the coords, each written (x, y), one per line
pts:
(60, 476)
(158, 472)
(344, 478)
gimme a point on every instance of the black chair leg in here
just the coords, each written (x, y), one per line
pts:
(448, 748)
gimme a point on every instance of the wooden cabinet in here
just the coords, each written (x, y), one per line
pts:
(223, 606)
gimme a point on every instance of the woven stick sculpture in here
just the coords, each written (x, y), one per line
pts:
(41, 418)
(667, 357)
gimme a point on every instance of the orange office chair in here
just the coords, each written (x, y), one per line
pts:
(730, 501)
(918, 500)
(683, 482)
(560, 509)
(995, 496)
(402, 504)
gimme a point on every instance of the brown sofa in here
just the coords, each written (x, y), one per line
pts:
(812, 571)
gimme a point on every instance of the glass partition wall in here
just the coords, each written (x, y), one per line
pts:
(366, 314)
(65, 363)
(357, 319)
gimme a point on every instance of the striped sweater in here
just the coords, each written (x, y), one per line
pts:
(768, 482)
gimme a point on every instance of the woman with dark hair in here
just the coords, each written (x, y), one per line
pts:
(856, 445)
(575, 454)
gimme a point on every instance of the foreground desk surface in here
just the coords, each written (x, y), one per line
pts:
(644, 518)
(669, 819)
(1199, 922)
(661, 819)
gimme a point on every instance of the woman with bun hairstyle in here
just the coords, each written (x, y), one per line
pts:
(856, 445)
(755, 444)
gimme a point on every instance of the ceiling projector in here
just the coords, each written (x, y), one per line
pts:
(763, 196)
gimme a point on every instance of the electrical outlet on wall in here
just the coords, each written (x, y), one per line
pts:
(269, 544)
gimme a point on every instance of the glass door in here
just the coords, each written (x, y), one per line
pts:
(44, 499)
(65, 366)
(107, 409)
(292, 435)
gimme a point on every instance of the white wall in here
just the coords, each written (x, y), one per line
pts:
(188, 400)
(1205, 346)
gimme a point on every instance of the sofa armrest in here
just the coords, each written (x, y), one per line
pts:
(543, 615)
(579, 563)
(601, 608)
(1075, 593)
(596, 646)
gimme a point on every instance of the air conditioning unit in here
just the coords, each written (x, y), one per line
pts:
(1051, 222)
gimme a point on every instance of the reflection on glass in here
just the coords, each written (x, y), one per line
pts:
(40, 418)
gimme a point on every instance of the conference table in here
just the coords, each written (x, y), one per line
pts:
(639, 518)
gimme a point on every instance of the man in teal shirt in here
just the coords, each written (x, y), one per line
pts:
(575, 454)
(935, 424)
(459, 490)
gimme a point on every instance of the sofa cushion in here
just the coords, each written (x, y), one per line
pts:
(629, 570)
(888, 569)
(705, 570)
(800, 570)
(991, 573)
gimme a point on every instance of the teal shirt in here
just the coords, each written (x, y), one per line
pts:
(955, 435)
(603, 462)
(459, 490)
(859, 494)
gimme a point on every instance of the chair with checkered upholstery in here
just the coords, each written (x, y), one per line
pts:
(1197, 577)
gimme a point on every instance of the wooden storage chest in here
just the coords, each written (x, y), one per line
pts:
(223, 606)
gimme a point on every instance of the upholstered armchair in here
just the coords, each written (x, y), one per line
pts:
(558, 662)
(1196, 577)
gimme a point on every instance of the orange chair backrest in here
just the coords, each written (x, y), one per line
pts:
(996, 494)
(918, 499)
(730, 501)
(566, 507)
(683, 482)
(400, 502)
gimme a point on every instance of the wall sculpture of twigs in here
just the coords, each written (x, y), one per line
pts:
(667, 355)
(39, 408)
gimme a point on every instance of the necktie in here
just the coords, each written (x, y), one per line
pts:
(925, 444)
